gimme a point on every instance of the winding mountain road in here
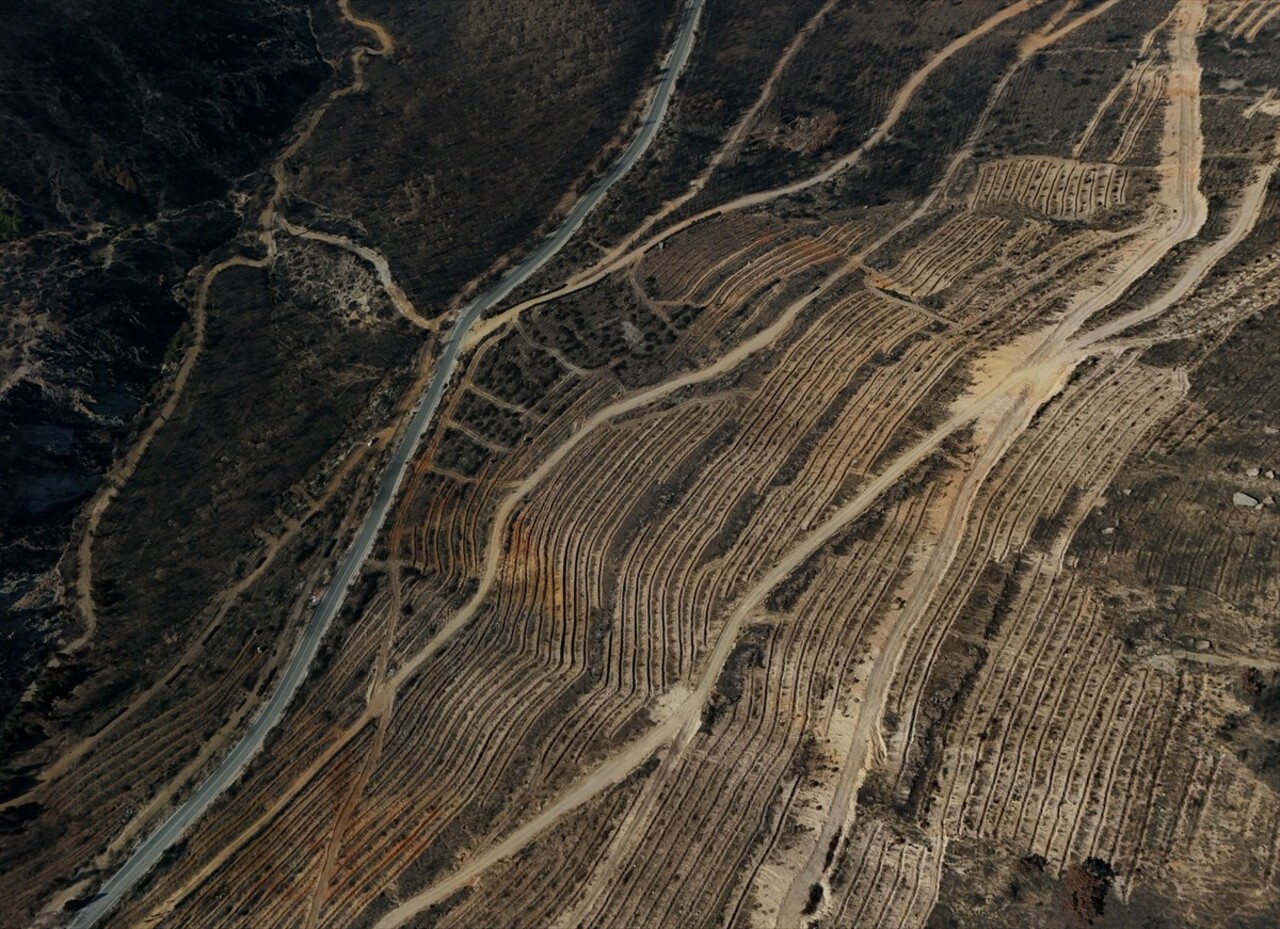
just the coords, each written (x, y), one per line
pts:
(145, 856)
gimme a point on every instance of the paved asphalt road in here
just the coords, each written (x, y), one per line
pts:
(148, 853)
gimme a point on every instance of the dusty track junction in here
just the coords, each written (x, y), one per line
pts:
(868, 518)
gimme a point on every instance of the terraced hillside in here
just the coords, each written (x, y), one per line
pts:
(868, 518)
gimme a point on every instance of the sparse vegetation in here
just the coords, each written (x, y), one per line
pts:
(861, 556)
(10, 225)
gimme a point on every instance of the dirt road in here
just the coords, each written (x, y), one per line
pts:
(145, 856)
(1002, 408)
(901, 101)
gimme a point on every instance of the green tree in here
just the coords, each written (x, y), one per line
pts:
(10, 225)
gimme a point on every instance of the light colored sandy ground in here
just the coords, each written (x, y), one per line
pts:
(1185, 211)
(1013, 382)
(675, 730)
(228, 770)
(1246, 217)
(1010, 384)
(901, 101)
(404, 306)
(996, 428)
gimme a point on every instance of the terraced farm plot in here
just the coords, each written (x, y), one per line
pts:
(962, 244)
(1242, 19)
(800, 560)
(1062, 189)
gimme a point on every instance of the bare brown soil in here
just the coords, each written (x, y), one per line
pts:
(810, 555)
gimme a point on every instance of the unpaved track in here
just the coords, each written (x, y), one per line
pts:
(399, 299)
(901, 101)
(228, 771)
(226, 599)
(1018, 394)
(1187, 206)
(1038, 40)
(681, 725)
(733, 142)
(865, 746)
(1133, 76)
(125, 468)
(1247, 215)
(761, 341)
(1012, 400)
(1183, 205)
(496, 551)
